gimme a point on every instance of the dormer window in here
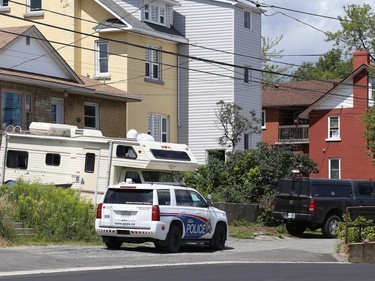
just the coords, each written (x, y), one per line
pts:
(155, 13)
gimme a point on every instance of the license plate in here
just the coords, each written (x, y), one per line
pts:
(291, 215)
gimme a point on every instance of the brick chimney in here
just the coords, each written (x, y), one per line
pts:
(360, 57)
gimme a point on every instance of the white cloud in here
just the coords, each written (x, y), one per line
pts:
(299, 38)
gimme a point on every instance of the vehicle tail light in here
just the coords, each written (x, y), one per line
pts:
(274, 203)
(155, 213)
(99, 211)
(312, 206)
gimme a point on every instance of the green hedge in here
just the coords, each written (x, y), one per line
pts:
(55, 214)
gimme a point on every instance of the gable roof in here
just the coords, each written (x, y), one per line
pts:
(126, 21)
(292, 94)
(345, 81)
(11, 35)
(76, 84)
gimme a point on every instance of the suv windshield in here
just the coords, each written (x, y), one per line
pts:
(129, 196)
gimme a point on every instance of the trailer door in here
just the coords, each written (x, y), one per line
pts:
(89, 174)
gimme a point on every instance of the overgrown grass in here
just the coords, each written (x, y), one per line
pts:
(242, 229)
(55, 214)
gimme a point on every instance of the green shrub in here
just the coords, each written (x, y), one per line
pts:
(355, 234)
(6, 229)
(55, 214)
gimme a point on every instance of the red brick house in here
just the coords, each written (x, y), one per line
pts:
(282, 105)
(336, 130)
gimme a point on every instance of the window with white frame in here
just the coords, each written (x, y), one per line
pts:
(91, 115)
(155, 13)
(334, 127)
(57, 110)
(334, 167)
(4, 3)
(263, 119)
(247, 19)
(102, 58)
(158, 127)
(34, 5)
(152, 63)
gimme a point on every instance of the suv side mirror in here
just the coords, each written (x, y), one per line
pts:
(209, 199)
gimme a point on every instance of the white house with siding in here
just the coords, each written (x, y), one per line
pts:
(229, 32)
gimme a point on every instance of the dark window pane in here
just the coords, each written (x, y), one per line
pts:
(35, 5)
(170, 154)
(90, 163)
(164, 197)
(17, 159)
(129, 196)
(53, 159)
(123, 151)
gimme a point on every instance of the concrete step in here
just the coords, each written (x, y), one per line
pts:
(18, 226)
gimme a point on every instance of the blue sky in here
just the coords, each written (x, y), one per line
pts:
(299, 38)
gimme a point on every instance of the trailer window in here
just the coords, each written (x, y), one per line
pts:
(170, 154)
(17, 159)
(53, 159)
(90, 162)
(123, 151)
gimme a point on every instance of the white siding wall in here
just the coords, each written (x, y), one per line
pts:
(247, 47)
(211, 24)
(132, 6)
(341, 98)
(31, 58)
(208, 24)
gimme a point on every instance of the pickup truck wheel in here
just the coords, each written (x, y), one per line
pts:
(295, 228)
(173, 241)
(113, 244)
(218, 239)
(330, 226)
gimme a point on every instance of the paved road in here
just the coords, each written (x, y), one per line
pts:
(37, 259)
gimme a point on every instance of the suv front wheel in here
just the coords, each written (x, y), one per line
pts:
(218, 239)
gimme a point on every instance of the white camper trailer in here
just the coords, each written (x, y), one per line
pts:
(85, 160)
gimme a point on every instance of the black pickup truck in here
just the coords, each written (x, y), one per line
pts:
(319, 203)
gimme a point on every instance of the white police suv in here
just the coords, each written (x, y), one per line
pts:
(166, 215)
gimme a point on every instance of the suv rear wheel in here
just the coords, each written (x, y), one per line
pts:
(331, 226)
(113, 244)
(173, 241)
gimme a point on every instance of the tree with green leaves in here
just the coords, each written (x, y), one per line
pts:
(235, 124)
(357, 30)
(271, 72)
(331, 66)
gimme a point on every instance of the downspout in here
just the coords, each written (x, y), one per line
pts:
(178, 96)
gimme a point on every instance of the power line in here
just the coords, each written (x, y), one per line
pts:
(163, 51)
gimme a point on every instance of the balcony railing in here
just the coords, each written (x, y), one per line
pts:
(294, 133)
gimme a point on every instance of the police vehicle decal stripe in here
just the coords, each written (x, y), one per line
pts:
(195, 226)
